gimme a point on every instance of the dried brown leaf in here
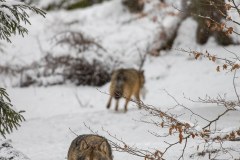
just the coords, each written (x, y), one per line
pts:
(197, 55)
(228, 6)
(235, 66)
(229, 18)
(180, 138)
(218, 68)
(213, 58)
(193, 135)
(170, 131)
(224, 66)
(162, 124)
(222, 26)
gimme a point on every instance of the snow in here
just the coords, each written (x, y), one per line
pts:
(54, 113)
(8, 152)
(237, 108)
(10, 3)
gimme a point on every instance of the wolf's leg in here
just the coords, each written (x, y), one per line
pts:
(137, 96)
(126, 103)
(109, 102)
(116, 107)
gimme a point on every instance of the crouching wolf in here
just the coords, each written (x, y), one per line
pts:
(125, 83)
(90, 147)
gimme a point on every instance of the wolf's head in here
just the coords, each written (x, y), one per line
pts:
(94, 150)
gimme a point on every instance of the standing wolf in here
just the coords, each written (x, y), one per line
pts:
(90, 147)
(125, 83)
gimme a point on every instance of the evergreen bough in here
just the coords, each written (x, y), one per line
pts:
(9, 118)
(12, 14)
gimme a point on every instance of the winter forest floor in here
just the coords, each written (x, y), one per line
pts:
(54, 114)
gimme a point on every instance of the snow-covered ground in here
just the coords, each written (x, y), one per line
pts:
(54, 114)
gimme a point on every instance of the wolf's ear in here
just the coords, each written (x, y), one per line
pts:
(83, 145)
(103, 147)
(142, 72)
